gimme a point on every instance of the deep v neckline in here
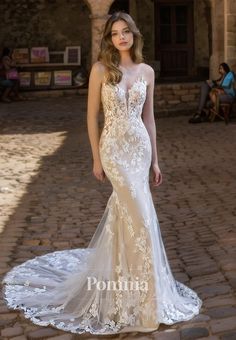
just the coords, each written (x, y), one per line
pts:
(139, 78)
(126, 93)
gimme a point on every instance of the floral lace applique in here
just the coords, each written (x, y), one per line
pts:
(124, 140)
(126, 246)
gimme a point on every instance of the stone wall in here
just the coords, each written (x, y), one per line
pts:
(52, 23)
(169, 99)
(218, 36)
(59, 23)
(173, 98)
(202, 34)
(230, 34)
(145, 22)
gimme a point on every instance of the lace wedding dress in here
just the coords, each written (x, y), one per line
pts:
(122, 282)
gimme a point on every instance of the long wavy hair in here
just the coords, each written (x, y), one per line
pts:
(109, 55)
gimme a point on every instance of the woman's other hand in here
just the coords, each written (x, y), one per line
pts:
(98, 171)
(157, 176)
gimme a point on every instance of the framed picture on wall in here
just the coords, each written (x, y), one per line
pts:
(25, 79)
(73, 55)
(42, 78)
(39, 55)
(62, 78)
(21, 55)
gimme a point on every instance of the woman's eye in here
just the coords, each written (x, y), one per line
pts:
(113, 34)
(127, 31)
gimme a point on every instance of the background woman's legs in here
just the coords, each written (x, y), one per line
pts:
(204, 93)
(16, 88)
(7, 88)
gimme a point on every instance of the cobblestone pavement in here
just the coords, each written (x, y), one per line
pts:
(50, 201)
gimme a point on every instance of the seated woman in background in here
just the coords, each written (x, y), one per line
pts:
(218, 91)
(10, 76)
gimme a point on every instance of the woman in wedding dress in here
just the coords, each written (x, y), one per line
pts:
(122, 282)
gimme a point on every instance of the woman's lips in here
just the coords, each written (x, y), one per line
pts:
(123, 43)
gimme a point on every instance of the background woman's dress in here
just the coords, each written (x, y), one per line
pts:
(70, 289)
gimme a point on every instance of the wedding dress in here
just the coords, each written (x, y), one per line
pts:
(122, 282)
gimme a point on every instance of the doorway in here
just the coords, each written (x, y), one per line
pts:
(174, 37)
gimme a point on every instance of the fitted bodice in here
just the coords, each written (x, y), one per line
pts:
(120, 104)
(124, 139)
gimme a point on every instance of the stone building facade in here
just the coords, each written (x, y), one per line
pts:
(189, 37)
(59, 23)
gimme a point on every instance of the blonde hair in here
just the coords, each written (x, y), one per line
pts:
(109, 56)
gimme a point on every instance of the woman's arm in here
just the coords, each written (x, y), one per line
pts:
(149, 122)
(93, 110)
(228, 80)
(219, 80)
(8, 63)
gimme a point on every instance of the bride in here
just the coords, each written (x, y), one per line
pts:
(122, 281)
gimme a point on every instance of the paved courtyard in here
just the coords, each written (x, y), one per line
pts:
(49, 201)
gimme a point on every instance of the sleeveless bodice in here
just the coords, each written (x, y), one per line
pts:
(124, 139)
(120, 105)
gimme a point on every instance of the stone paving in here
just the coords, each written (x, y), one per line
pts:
(49, 201)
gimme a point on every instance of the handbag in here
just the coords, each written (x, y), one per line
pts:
(12, 74)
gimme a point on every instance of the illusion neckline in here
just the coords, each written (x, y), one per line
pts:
(126, 91)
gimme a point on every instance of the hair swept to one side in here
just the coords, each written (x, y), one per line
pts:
(109, 55)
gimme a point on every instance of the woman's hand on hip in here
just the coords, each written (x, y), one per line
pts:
(98, 171)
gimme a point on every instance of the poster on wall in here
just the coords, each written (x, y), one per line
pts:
(42, 78)
(63, 78)
(25, 79)
(39, 55)
(73, 55)
(21, 55)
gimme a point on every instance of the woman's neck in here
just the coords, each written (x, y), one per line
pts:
(126, 60)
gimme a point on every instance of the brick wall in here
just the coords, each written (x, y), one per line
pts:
(176, 98)
(169, 99)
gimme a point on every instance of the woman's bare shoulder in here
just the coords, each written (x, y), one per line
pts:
(147, 69)
(98, 72)
(148, 72)
(98, 68)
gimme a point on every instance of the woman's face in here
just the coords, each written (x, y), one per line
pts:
(121, 36)
(221, 70)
